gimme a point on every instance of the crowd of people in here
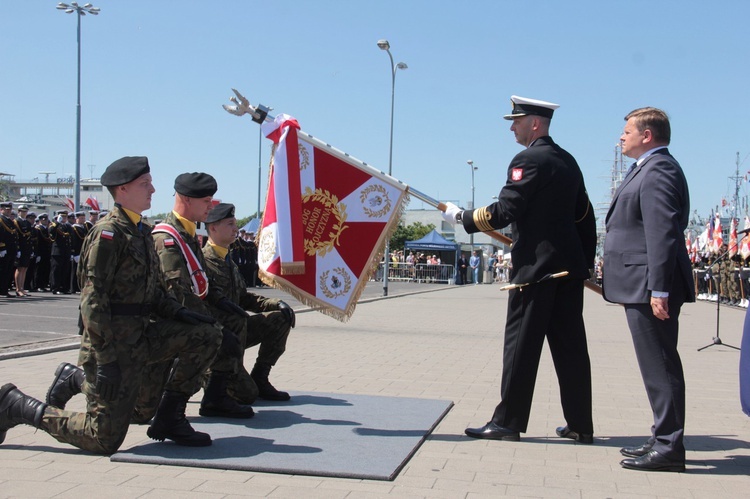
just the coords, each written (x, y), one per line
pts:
(41, 255)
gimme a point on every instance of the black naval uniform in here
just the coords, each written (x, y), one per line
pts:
(60, 265)
(8, 250)
(77, 235)
(43, 253)
(545, 202)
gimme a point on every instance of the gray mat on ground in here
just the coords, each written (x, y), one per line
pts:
(321, 434)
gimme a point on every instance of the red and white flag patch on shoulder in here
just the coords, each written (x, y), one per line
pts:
(516, 174)
(169, 242)
(107, 234)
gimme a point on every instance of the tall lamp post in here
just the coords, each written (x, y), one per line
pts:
(81, 10)
(384, 45)
(473, 168)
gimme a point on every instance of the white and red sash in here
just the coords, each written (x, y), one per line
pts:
(197, 274)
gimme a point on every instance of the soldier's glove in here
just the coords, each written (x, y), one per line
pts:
(449, 215)
(194, 318)
(3, 253)
(230, 344)
(108, 380)
(288, 313)
(18, 254)
(229, 306)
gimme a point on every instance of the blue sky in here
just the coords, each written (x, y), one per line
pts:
(155, 74)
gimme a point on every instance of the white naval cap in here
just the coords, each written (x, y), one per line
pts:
(523, 106)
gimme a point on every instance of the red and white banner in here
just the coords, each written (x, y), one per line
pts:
(93, 203)
(339, 211)
(745, 243)
(718, 236)
(70, 204)
(732, 238)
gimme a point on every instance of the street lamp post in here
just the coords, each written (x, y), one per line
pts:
(384, 45)
(81, 10)
(473, 168)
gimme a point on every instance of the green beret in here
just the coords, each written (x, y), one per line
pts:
(220, 212)
(195, 185)
(125, 170)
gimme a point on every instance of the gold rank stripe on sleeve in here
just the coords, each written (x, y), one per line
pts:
(481, 217)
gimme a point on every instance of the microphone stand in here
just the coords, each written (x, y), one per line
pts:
(716, 339)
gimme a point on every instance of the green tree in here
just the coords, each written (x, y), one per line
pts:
(411, 232)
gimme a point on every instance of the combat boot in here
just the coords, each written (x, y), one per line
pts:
(265, 389)
(18, 408)
(170, 423)
(217, 402)
(68, 382)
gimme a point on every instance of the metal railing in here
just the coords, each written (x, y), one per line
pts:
(421, 272)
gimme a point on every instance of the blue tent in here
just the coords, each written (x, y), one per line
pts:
(432, 242)
(251, 226)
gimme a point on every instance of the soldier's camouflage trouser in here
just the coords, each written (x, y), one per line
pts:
(102, 428)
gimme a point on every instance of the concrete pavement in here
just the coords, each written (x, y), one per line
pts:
(447, 345)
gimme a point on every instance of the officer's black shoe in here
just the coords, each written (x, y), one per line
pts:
(581, 438)
(266, 390)
(218, 404)
(639, 451)
(67, 383)
(18, 408)
(492, 431)
(170, 423)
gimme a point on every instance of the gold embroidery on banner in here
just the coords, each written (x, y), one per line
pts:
(318, 206)
(334, 287)
(266, 246)
(377, 197)
(304, 157)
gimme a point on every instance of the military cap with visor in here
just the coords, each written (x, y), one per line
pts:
(523, 106)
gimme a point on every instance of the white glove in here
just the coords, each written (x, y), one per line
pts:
(449, 215)
(72, 258)
(18, 254)
(77, 258)
(38, 259)
(3, 253)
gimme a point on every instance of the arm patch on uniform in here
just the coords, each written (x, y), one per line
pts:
(516, 174)
(107, 234)
(169, 242)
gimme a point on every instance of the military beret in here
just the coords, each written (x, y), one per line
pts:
(125, 170)
(220, 212)
(195, 185)
(6, 205)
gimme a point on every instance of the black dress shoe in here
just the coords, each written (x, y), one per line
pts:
(652, 461)
(636, 451)
(581, 438)
(492, 431)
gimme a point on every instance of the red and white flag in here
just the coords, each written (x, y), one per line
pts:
(718, 236)
(745, 243)
(732, 238)
(70, 204)
(93, 203)
(326, 220)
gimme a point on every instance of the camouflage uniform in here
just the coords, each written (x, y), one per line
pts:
(179, 284)
(268, 328)
(121, 287)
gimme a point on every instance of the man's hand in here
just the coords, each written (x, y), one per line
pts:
(230, 344)
(288, 313)
(194, 318)
(108, 380)
(229, 306)
(660, 307)
(449, 215)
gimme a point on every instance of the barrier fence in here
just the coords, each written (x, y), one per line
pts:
(421, 272)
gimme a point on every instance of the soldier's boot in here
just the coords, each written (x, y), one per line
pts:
(68, 382)
(217, 402)
(265, 389)
(18, 408)
(170, 423)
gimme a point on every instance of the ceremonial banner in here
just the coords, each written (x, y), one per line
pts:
(718, 235)
(745, 243)
(732, 238)
(326, 220)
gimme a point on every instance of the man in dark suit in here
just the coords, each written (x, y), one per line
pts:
(554, 231)
(647, 269)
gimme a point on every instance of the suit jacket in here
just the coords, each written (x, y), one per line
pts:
(545, 201)
(644, 249)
